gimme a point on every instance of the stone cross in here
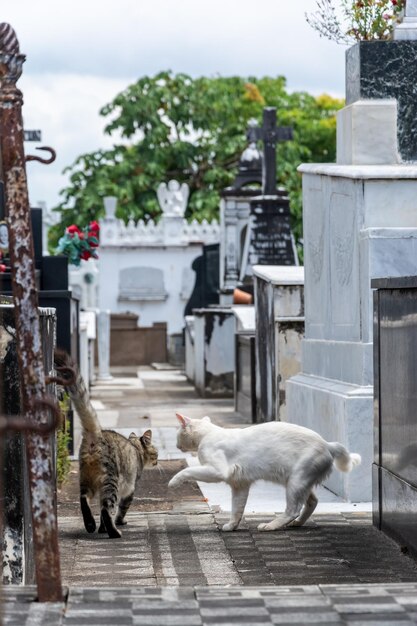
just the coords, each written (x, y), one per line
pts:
(270, 134)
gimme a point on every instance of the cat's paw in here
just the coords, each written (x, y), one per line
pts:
(295, 523)
(228, 527)
(268, 526)
(175, 482)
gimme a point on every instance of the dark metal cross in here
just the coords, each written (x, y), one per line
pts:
(270, 134)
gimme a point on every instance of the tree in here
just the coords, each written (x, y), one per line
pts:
(193, 130)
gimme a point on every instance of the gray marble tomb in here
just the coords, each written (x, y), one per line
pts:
(360, 223)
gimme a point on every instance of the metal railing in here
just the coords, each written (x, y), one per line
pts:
(36, 407)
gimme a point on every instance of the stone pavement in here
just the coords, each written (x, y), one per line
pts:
(173, 565)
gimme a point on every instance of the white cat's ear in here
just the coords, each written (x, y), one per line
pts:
(206, 419)
(147, 437)
(183, 420)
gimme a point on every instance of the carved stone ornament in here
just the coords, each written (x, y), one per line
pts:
(11, 61)
(173, 198)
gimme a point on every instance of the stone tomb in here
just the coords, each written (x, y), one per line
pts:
(279, 304)
(146, 268)
(245, 362)
(235, 214)
(395, 427)
(360, 223)
(214, 351)
(255, 221)
(268, 239)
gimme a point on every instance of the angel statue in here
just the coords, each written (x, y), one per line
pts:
(173, 198)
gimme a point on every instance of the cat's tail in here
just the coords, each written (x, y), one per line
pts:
(344, 460)
(78, 392)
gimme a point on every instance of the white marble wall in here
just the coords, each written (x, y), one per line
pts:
(146, 268)
(360, 222)
(178, 281)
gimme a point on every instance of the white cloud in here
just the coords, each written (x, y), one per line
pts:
(81, 54)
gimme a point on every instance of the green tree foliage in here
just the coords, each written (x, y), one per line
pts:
(193, 130)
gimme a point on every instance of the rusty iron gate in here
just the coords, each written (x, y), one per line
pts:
(36, 407)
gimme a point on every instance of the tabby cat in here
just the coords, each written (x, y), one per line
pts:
(110, 464)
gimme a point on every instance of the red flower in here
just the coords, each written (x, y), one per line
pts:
(394, 2)
(94, 226)
(73, 229)
(85, 255)
(3, 268)
(92, 235)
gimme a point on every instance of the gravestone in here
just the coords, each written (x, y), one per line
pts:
(141, 283)
(235, 213)
(269, 240)
(360, 218)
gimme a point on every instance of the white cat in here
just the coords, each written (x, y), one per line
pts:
(290, 455)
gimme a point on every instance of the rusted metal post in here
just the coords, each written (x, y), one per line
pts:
(39, 449)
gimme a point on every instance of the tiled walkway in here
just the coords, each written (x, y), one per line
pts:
(173, 565)
(349, 605)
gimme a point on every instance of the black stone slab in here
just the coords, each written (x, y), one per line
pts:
(55, 273)
(207, 283)
(269, 240)
(387, 69)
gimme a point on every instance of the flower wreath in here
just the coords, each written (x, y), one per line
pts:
(79, 244)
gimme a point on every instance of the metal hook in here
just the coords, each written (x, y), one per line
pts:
(33, 157)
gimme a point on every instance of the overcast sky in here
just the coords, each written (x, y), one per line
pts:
(80, 54)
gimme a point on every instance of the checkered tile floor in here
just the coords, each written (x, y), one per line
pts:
(353, 605)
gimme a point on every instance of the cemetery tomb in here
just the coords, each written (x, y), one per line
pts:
(395, 436)
(245, 362)
(360, 219)
(279, 305)
(214, 351)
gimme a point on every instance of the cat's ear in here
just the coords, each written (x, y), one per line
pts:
(183, 420)
(206, 419)
(133, 436)
(147, 437)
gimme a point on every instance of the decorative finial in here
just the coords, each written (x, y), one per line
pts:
(8, 40)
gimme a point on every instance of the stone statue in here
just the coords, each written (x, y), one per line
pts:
(173, 198)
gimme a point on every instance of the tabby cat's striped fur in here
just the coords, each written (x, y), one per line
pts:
(110, 464)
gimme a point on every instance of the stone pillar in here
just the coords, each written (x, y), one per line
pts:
(103, 347)
(279, 305)
(234, 220)
(360, 223)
